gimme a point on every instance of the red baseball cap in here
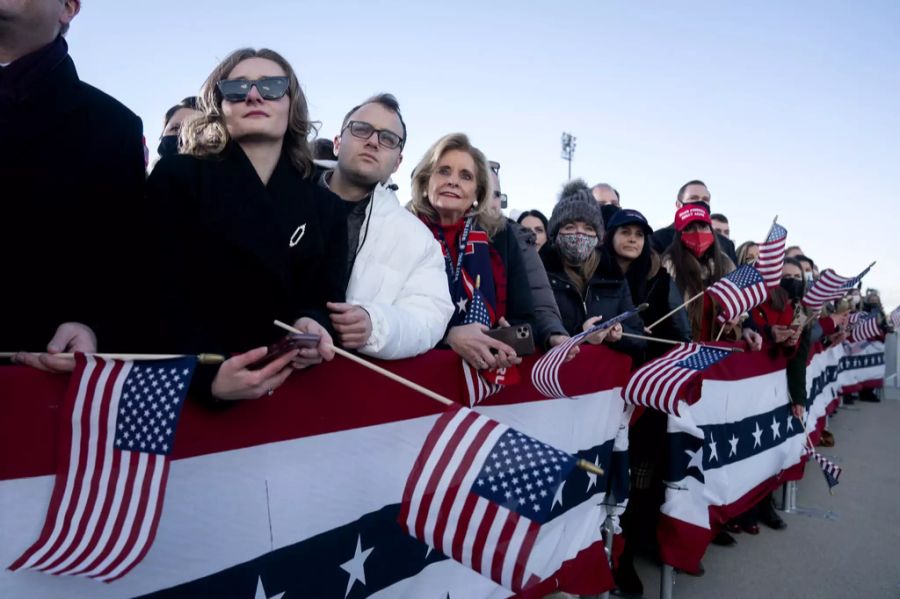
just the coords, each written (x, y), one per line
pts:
(690, 213)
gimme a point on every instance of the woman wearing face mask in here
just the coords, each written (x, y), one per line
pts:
(451, 187)
(695, 261)
(571, 258)
(747, 253)
(243, 236)
(175, 117)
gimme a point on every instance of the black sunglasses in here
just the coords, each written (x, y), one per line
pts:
(364, 130)
(495, 166)
(270, 88)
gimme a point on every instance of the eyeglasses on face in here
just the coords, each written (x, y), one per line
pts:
(270, 88)
(494, 166)
(364, 130)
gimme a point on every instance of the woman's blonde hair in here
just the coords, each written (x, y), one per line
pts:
(481, 209)
(206, 134)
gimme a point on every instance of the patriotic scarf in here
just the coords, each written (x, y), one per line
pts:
(467, 257)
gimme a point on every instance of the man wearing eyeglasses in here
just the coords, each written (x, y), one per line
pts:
(398, 304)
(71, 175)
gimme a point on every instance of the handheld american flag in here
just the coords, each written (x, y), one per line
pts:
(119, 422)
(739, 291)
(770, 263)
(662, 383)
(830, 286)
(866, 328)
(545, 373)
(831, 470)
(477, 312)
(480, 491)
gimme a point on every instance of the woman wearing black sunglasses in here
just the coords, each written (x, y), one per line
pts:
(243, 236)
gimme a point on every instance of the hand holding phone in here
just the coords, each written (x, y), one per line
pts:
(284, 345)
(518, 337)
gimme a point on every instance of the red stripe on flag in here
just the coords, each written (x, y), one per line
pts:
(465, 518)
(502, 546)
(484, 527)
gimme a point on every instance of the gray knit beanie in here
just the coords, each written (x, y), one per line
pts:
(576, 202)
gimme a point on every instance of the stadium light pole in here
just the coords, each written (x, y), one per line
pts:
(568, 150)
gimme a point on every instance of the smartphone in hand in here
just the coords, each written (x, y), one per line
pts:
(284, 345)
(519, 337)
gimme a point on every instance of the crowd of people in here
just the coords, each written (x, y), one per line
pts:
(244, 220)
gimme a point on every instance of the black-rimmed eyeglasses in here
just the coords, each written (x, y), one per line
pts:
(364, 130)
(269, 88)
(494, 166)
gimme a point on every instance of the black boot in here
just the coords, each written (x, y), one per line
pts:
(628, 583)
(768, 515)
(868, 395)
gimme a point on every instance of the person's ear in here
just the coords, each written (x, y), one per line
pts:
(397, 164)
(70, 8)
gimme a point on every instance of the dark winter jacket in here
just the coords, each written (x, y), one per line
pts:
(71, 179)
(547, 321)
(235, 254)
(603, 297)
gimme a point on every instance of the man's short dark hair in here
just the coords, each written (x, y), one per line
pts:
(189, 102)
(719, 217)
(389, 102)
(686, 185)
(323, 149)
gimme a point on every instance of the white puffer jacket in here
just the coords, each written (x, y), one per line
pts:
(399, 279)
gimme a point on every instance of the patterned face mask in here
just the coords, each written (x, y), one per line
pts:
(576, 247)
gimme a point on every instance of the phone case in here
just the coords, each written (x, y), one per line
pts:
(518, 337)
(284, 345)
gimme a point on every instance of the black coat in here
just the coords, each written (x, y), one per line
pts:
(661, 295)
(71, 179)
(519, 302)
(664, 237)
(227, 267)
(604, 297)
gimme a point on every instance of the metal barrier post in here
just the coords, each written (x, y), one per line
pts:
(790, 492)
(666, 581)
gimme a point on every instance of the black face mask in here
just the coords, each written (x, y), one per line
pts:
(168, 145)
(793, 287)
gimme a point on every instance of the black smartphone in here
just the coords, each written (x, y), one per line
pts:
(284, 345)
(519, 337)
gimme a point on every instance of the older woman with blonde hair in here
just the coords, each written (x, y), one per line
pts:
(450, 194)
(243, 235)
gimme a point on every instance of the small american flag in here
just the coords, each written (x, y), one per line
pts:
(738, 292)
(866, 328)
(830, 286)
(479, 492)
(120, 422)
(831, 470)
(854, 318)
(477, 388)
(662, 383)
(770, 263)
(477, 312)
(545, 373)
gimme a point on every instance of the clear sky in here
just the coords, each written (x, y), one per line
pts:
(787, 108)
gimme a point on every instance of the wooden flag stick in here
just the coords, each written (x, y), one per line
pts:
(672, 342)
(583, 464)
(202, 358)
(650, 328)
